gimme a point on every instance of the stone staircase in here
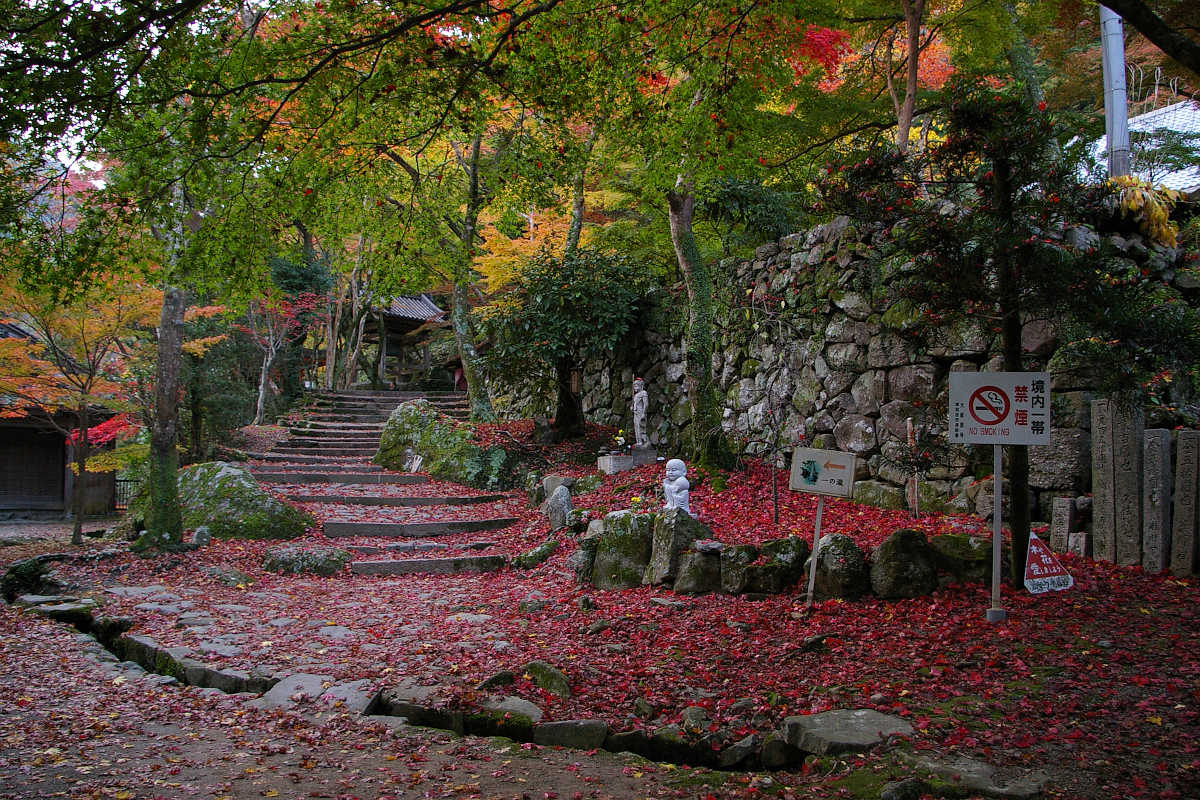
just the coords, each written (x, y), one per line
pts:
(325, 464)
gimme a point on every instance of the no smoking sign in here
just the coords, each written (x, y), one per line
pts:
(1000, 407)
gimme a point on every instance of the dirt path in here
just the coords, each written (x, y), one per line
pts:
(72, 726)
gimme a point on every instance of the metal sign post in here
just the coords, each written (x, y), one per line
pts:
(821, 472)
(999, 408)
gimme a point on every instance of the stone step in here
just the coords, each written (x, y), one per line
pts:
(388, 395)
(307, 459)
(357, 500)
(338, 477)
(343, 440)
(415, 530)
(411, 547)
(332, 452)
(347, 466)
(429, 566)
(348, 417)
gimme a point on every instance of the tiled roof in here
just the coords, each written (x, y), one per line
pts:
(418, 308)
(1182, 117)
(10, 330)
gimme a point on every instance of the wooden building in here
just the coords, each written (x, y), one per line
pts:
(408, 324)
(35, 457)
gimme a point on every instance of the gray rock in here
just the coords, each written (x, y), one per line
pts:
(557, 507)
(699, 573)
(674, 531)
(353, 696)
(912, 382)
(902, 566)
(980, 777)
(855, 434)
(738, 753)
(335, 632)
(1064, 463)
(294, 689)
(843, 731)
(735, 561)
(513, 705)
(228, 501)
(307, 559)
(841, 569)
(582, 734)
(550, 483)
(549, 678)
(623, 550)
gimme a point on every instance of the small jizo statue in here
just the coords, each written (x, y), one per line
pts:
(676, 488)
(640, 401)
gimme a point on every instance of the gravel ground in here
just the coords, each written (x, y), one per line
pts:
(24, 530)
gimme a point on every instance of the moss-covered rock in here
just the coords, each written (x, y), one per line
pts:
(28, 576)
(227, 500)
(879, 494)
(445, 447)
(735, 563)
(841, 569)
(314, 560)
(623, 550)
(966, 559)
(902, 566)
(537, 555)
(699, 573)
(548, 677)
(674, 532)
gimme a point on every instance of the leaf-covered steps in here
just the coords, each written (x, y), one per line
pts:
(430, 566)
(283, 476)
(359, 500)
(415, 530)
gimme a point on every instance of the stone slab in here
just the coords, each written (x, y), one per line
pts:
(416, 530)
(1156, 500)
(1127, 484)
(429, 566)
(584, 734)
(843, 731)
(1062, 521)
(1104, 537)
(1187, 488)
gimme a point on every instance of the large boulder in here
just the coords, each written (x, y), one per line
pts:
(841, 569)
(735, 567)
(902, 566)
(675, 531)
(228, 501)
(445, 448)
(558, 506)
(623, 550)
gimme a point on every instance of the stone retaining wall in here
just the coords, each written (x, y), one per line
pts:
(808, 352)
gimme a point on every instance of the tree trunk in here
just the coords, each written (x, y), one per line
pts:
(705, 439)
(568, 413)
(81, 457)
(262, 388)
(1009, 290)
(197, 408)
(913, 11)
(164, 525)
(577, 186)
(464, 335)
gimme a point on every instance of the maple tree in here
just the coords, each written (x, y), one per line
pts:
(69, 373)
(271, 322)
(559, 312)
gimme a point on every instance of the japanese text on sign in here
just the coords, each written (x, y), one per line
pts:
(1000, 408)
(822, 472)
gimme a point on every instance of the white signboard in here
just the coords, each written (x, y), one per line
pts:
(822, 472)
(1000, 407)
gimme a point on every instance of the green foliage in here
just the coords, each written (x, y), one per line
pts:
(446, 448)
(575, 308)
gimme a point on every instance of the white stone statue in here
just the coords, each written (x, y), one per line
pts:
(676, 488)
(640, 401)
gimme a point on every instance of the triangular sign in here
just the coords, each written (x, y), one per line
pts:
(1043, 573)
